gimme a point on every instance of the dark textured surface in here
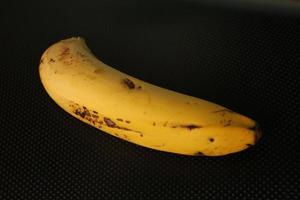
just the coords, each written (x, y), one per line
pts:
(241, 58)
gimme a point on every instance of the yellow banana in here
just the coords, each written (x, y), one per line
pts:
(139, 112)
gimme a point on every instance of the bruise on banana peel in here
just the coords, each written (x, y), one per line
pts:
(187, 126)
(65, 53)
(67, 58)
(93, 117)
(130, 84)
(226, 123)
(51, 60)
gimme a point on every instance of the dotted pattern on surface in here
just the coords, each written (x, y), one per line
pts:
(246, 60)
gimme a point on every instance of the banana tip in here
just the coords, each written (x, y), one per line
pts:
(258, 132)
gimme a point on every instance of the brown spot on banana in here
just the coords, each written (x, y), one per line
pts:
(112, 124)
(78, 112)
(93, 117)
(98, 71)
(129, 83)
(65, 52)
(109, 122)
(190, 126)
(86, 114)
(223, 112)
(187, 126)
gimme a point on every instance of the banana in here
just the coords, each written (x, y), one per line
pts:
(139, 112)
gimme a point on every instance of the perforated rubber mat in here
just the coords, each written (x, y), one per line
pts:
(244, 59)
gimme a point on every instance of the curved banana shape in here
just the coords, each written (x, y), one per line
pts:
(139, 112)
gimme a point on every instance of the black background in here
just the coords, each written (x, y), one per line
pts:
(241, 57)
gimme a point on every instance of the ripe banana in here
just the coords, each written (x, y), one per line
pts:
(139, 112)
